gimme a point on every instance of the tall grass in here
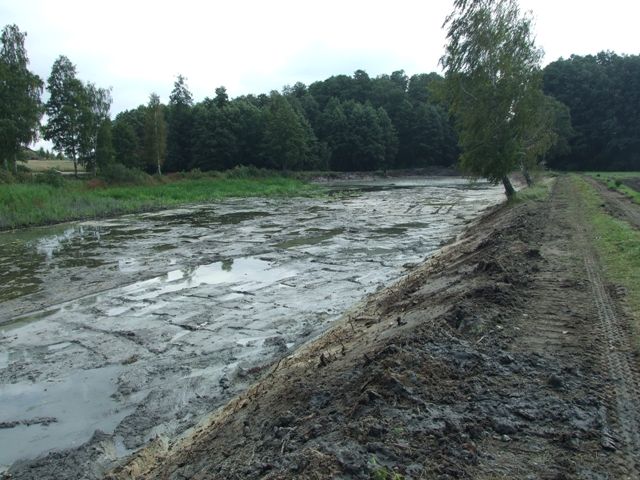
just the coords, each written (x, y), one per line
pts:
(539, 191)
(28, 204)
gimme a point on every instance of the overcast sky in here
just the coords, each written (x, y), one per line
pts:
(250, 46)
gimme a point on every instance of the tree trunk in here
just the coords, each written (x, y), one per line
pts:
(508, 188)
(75, 167)
(527, 176)
(156, 139)
(15, 164)
(6, 164)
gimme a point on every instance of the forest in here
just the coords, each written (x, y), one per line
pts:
(343, 123)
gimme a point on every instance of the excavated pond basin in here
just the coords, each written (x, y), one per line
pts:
(138, 325)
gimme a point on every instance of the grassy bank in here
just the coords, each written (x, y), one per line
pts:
(615, 181)
(618, 245)
(30, 204)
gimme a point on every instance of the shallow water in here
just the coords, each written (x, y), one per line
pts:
(140, 324)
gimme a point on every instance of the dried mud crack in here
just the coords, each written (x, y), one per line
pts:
(504, 356)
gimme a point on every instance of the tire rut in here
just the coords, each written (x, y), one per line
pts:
(624, 401)
(618, 205)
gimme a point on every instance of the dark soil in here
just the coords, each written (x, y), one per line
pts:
(504, 356)
(633, 183)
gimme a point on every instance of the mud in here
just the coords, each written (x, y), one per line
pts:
(504, 356)
(124, 330)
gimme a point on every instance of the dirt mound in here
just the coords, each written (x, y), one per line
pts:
(488, 361)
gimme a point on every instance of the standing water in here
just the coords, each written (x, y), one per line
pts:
(139, 325)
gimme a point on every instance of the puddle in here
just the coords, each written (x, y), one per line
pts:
(251, 273)
(23, 320)
(81, 404)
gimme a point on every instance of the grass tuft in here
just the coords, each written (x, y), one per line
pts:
(539, 191)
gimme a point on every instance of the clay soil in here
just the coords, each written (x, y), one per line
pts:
(506, 355)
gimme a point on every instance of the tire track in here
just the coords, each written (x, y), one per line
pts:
(619, 205)
(553, 330)
(617, 352)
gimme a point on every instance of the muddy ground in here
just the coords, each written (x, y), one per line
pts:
(113, 332)
(504, 356)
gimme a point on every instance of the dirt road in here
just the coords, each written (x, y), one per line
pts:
(505, 356)
(618, 204)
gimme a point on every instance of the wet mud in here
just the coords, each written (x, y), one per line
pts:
(116, 332)
(503, 356)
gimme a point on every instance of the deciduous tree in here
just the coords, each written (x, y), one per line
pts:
(20, 90)
(492, 72)
(155, 134)
(95, 112)
(65, 109)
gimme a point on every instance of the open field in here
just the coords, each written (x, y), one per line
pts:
(44, 165)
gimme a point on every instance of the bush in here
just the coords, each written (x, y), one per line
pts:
(195, 174)
(50, 177)
(22, 168)
(6, 177)
(618, 182)
(119, 174)
(243, 172)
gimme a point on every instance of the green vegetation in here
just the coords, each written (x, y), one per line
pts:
(20, 91)
(603, 93)
(539, 191)
(380, 472)
(493, 87)
(618, 245)
(26, 204)
(579, 113)
(76, 113)
(615, 181)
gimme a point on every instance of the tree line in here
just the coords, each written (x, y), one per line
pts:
(579, 113)
(343, 123)
(602, 94)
